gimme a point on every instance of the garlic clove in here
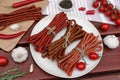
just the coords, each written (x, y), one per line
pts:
(31, 68)
(15, 27)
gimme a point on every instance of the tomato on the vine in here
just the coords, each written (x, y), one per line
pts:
(113, 17)
(115, 11)
(108, 12)
(98, 0)
(93, 56)
(110, 6)
(104, 3)
(117, 22)
(104, 27)
(3, 61)
(101, 9)
(119, 15)
(95, 4)
(81, 65)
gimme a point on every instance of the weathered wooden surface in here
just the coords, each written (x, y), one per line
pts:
(107, 69)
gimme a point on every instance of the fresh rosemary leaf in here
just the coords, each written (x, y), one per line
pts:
(12, 74)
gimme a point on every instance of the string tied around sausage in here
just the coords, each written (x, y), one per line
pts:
(67, 42)
(82, 52)
(51, 30)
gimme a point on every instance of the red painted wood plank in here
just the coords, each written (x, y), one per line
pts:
(112, 30)
(38, 73)
(109, 62)
(104, 77)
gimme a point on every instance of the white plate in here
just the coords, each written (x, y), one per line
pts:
(51, 66)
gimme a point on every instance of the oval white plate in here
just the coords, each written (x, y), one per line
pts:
(51, 66)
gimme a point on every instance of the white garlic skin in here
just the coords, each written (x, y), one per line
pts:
(15, 27)
(31, 68)
(19, 54)
(111, 41)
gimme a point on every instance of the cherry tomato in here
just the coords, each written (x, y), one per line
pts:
(98, 0)
(119, 15)
(102, 0)
(110, 6)
(95, 4)
(104, 3)
(108, 12)
(81, 66)
(93, 56)
(3, 61)
(117, 22)
(115, 11)
(101, 9)
(105, 27)
(113, 17)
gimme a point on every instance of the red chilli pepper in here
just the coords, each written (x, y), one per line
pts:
(90, 12)
(10, 36)
(82, 8)
(22, 3)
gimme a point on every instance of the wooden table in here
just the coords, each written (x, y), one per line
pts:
(107, 69)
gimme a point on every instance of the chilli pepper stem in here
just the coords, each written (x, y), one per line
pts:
(10, 36)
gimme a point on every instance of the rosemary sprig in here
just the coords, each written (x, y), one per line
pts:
(11, 74)
(10, 70)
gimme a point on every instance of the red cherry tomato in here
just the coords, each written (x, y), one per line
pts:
(101, 9)
(81, 66)
(98, 0)
(113, 17)
(104, 3)
(93, 56)
(108, 12)
(110, 6)
(117, 22)
(3, 61)
(105, 27)
(95, 4)
(101, 0)
(119, 15)
(115, 11)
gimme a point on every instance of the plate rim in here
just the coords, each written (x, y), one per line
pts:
(40, 53)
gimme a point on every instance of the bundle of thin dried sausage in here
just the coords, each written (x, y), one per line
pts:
(56, 50)
(43, 38)
(88, 44)
(24, 14)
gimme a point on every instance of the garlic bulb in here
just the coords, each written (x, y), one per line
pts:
(111, 41)
(15, 27)
(19, 54)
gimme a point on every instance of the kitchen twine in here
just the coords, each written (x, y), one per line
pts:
(51, 30)
(67, 42)
(80, 51)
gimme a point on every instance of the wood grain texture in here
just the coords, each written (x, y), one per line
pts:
(38, 73)
(109, 63)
